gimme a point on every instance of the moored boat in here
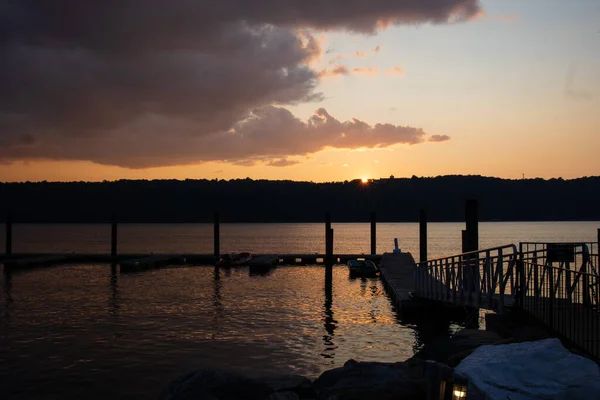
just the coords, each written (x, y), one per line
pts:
(362, 268)
(234, 259)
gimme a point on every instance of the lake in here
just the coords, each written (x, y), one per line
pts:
(87, 331)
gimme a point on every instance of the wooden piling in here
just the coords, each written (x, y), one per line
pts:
(472, 224)
(217, 235)
(373, 233)
(598, 246)
(423, 236)
(465, 245)
(113, 237)
(8, 244)
(329, 248)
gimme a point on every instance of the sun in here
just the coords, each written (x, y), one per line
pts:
(365, 180)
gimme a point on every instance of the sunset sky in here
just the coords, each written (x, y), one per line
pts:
(316, 90)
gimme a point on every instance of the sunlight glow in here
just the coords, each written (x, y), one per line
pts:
(365, 180)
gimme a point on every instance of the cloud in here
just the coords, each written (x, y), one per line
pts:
(395, 71)
(144, 83)
(342, 70)
(439, 138)
(570, 89)
(377, 49)
(365, 71)
(338, 70)
(360, 54)
(282, 162)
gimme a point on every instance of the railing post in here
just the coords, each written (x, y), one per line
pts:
(113, 237)
(373, 233)
(501, 280)
(217, 235)
(423, 236)
(8, 244)
(551, 297)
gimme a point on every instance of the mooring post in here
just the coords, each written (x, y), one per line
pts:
(472, 224)
(217, 234)
(329, 248)
(423, 236)
(113, 237)
(8, 244)
(373, 233)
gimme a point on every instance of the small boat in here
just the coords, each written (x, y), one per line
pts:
(362, 268)
(234, 259)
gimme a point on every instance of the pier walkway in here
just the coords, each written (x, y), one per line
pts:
(557, 284)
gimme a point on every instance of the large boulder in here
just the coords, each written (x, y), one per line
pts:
(372, 380)
(452, 350)
(215, 385)
(290, 384)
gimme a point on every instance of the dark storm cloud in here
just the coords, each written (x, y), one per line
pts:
(138, 83)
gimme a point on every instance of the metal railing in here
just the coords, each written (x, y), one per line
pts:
(560, 287)
(484, 278)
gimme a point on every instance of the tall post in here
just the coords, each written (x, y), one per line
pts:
(472, 222)
(373, 233)
(113, 237)
(217, 235)
(465, 245)
(329, 248)
(8, 246)
(423, 236)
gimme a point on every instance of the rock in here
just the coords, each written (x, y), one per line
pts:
(283, 396)
(372, 380)
(297, 384)
(459, 345)
(215, 385)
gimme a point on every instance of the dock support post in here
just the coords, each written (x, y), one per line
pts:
(373, 233)
(423, 236)
(113, 237)
(217, 236)
(329, 248)
(472, 224)
(8, 246)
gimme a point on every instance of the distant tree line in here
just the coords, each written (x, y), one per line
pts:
(247, 200)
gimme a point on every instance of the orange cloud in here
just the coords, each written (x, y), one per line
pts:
(338, 70)
(438, 138)
(365, 71)
(376, 49)
(395, 71)
(341, 70)
(360, 54)
(498, 17)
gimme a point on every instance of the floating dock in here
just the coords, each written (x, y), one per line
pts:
(397, 273)
(144, 263)
(22, 263)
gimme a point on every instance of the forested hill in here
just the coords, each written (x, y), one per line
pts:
(247, 200)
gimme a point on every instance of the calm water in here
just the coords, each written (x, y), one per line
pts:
(444, 238)
(86, 331)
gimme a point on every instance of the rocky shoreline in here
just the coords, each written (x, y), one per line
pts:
(410, 379)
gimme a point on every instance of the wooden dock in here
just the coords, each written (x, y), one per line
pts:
(22, 263)
(150, 262)
(397, 273)
(139, 261)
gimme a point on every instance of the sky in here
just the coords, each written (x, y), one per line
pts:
(315, 90)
